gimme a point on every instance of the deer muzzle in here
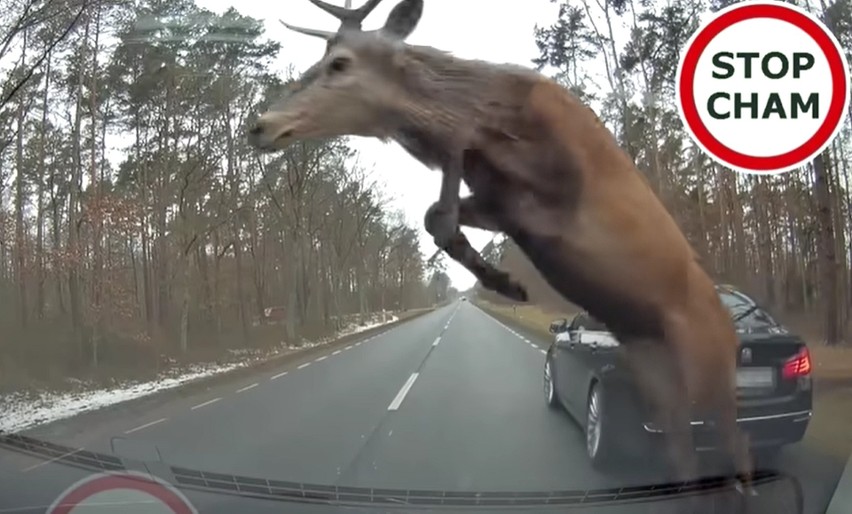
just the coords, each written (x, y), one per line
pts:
(274, 131)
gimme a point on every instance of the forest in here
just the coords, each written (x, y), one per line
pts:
(136, 224)
(785, 239)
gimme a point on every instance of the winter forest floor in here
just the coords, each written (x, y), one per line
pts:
(34, 402)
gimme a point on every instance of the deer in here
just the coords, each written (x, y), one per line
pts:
(545, 171)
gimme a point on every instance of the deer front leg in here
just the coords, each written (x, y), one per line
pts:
(443, 217)
(471, 214)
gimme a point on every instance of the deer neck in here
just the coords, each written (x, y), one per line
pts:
(445, 98)
(441, 98)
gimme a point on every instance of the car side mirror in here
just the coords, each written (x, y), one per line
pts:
(557, 325)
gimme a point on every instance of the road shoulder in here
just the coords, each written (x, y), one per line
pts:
(225, 378)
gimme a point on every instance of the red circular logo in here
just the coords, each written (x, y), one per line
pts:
(770, 56)
(119, 492)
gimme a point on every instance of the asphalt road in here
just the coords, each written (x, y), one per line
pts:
(450, 400)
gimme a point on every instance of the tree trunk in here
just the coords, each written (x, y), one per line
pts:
(241, 301)
(827, 258)
(840, 239)
(739, 264)
(56, 232)
(764, 245)
(73, 207)
(20, 199)
(40, 278)
(292, 291)
(184, 308)
(95, 200)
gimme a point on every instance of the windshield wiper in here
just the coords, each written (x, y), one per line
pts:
(745, 313)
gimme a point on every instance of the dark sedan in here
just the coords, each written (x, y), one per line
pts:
(584, 372)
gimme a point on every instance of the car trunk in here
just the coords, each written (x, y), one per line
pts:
(760, 361)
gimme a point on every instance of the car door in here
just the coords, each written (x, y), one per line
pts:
(594, 346)
(567, 364)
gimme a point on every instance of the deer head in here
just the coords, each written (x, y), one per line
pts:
(351, 88)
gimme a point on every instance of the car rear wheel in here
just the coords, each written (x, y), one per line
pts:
(599, 444)
(549, 385)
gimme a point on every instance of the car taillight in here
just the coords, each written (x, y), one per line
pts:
(797, 366)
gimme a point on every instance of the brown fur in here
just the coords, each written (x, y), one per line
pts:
(614, 249)
(543, 169)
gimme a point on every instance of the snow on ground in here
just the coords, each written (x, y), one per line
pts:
(20, 411)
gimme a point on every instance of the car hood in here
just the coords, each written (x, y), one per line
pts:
(385, 499)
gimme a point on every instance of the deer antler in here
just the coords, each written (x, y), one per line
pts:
(325, 34)
(349, 18)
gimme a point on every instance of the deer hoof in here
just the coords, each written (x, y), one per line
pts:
(510, 289)
(443, 241)
(516, 292)
(442, 224)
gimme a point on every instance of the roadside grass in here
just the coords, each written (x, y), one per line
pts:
(531, 317)
(830, 430)
(831, 363)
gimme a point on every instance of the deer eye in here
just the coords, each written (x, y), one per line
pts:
(339, 64)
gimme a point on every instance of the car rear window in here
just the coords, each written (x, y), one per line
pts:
(589, 323)
(749, 313)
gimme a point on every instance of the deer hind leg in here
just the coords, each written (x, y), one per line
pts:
(471, 214)
(660, 381)
(709, 363)
(733, 439)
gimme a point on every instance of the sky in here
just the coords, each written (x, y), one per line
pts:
(467, 28)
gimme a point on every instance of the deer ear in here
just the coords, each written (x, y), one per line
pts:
(403, 19)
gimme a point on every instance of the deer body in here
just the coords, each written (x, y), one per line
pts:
(590, 223)
(545, 171)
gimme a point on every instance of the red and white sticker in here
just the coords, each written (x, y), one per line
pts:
(121, 492)
(763, 87)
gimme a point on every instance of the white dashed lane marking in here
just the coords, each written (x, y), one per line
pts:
(394, 405)
(402, 392)
(146, 425)
(205, 404)
(437, 340)
(246, 388)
